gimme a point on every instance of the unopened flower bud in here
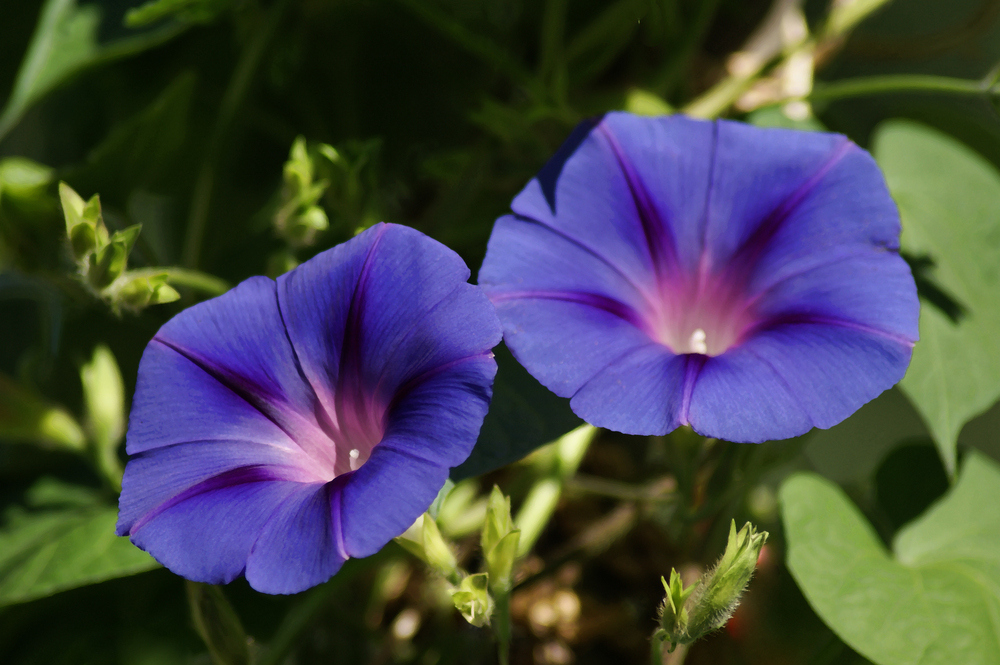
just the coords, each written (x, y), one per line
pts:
(424, 540)
(84, 223)
(688, 614)
(499, 540)
(720, 590)
(140, 292)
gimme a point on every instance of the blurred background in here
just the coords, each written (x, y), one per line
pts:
(433, 114)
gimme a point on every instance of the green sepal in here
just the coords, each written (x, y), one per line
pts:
(500, 560)
(673, 610)
(472, 598)
(140, 292)
(498, 520)
(84, 225)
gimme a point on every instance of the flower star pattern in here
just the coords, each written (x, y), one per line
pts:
(285, 426)
(669, 271)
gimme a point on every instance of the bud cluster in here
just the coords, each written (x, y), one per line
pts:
(102, 258)
(687, 614)
(300, 217)
(476, 596)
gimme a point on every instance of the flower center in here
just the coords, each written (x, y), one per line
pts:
(706, 316)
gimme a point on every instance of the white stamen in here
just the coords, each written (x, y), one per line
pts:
(354, 455)
(697, 343)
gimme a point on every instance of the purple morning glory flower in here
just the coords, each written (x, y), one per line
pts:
(668, 271)
(285, 426)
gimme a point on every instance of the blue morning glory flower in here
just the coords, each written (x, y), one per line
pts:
(669, 271)
(285, 426)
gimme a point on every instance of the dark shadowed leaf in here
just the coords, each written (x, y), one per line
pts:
(65, 42)
(523, 416)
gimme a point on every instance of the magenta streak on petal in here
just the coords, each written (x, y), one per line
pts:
(335, 489)
(239, 476)
(594, 300)
(803, 318)
(741, 264)
(282, 415)
(413, 383)
(642, 292)
(712, 311)
(695, 362)
(659, 239)
(360, 421)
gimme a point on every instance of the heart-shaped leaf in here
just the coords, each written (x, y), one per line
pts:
(935, 600)
(949, 201)
(66, 540)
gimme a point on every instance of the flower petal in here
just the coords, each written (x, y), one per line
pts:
(526, 259)
(565, 343)
(872, 289)
(213, 365)
(645, 212)
(176, 401)
(641, 392)
(783, 200)
(383, 498)
(205, 534)
(787, 380)
(439, 418)
(739, 397)
(153, 477)
(299, 546)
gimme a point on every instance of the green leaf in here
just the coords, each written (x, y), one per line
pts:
(194, 11)
(523, 416)
(65, 43)
(934, 601)
(46, 551)
(65, 40)
(949, 201)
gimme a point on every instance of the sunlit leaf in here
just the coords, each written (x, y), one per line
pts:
(66, 539)
(949, 200)
(933, 600)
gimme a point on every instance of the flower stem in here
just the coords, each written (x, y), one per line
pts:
(538, 506)
(501, 626)
(725, 93)
(877, 85)
(192, 279)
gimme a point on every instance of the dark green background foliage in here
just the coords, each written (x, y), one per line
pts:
(181, 118)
